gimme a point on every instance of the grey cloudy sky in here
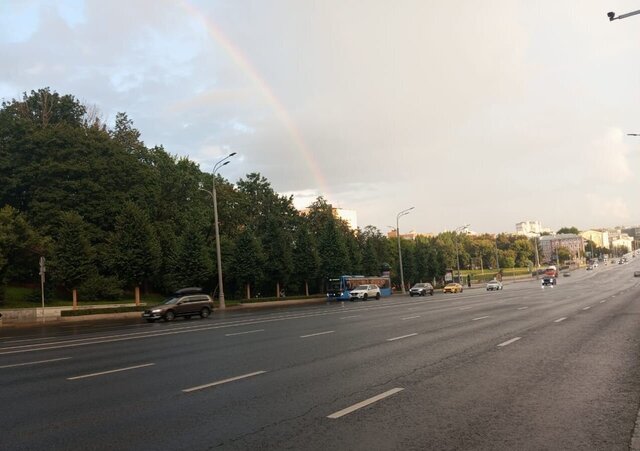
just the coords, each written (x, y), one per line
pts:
(480, 112)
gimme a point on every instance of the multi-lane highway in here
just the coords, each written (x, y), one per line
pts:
(522, 368)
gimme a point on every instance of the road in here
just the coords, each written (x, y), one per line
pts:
(524, 368)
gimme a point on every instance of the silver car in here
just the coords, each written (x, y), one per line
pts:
(494, 285)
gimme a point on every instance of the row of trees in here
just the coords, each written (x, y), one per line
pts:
(109, 214)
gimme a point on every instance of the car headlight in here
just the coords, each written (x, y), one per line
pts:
(156, 310)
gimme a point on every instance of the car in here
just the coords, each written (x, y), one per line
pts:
(636, 274)
(186, 302)
(589, 268)
(494, 285)
(365, 292)
(421, 289)
(452, 288)
(566, 274)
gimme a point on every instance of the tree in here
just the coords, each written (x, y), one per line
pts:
(572, 230)
(20, 247)
(306, 261)
(73, 256)
(247, 262)
(135, 251)
(564, 254)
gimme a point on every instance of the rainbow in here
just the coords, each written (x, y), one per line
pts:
(249, 70)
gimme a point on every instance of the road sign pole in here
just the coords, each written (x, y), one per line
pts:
(42, 271)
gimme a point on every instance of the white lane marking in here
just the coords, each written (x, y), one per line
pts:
(349, 317)
(244, 333)
(523, 308)
(587, 307)
(109, 372)
(360, 405)
(34, 363)
(508, 342)
(603, 301)
(410, 317)
(319, 333)
(465, 308)
(479, 318)
(224, 381)
(400, 338)
(559, 320)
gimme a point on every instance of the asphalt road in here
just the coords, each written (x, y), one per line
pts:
(524, 368)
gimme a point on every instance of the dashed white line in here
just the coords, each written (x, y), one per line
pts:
(364, 403)
(559, 320)
(603, 301)
(508, 342)
(349, 317)
(244, 333)
(479, 318)
(523, 308)
(34, 363)
(465, 308)
(400, 338)
(319, 333)
(224, 381)
(410, 317)
(109, 372)
(587, 307)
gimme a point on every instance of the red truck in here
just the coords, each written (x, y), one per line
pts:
(550, 276)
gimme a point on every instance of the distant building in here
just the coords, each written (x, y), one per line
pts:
(529, 228)
(618, 238)
(550, 244)
(599, 238)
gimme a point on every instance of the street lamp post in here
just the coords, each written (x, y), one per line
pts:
(466, 226)
(402, 213)
(217, 166)
(612, 15)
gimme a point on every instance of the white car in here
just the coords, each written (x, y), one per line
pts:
(494, 285)
(365, 292)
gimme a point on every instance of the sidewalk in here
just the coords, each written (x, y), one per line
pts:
(53, 315)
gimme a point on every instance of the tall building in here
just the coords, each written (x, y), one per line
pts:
(551, 243)
(599, 238)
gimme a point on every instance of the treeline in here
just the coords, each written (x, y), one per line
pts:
(109, 214)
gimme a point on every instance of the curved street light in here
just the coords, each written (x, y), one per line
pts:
(218, 165)
(402, 213)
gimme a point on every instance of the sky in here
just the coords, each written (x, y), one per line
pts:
(485, 113)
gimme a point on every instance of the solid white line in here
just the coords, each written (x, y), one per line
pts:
(482, 317)
(410, 317)
(523, 308)
(349, 317)
(109, 372)
(508, 342)
(465, 308)
(399, 338)
(34, 363)
(560, 319)
(243, 333)
(364, 403)
(319, 333)
(224, 381)
(587, 308)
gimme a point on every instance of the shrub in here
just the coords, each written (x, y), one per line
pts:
(98, 287)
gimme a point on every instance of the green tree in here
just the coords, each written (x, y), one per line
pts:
(72, 262)
(306, 261)
(572, 230)
(135, 251)
(247, 262)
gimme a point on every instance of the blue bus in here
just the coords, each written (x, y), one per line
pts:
(339, 289)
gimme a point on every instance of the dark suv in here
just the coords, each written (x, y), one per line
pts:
(421, 289)
(186, 302)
